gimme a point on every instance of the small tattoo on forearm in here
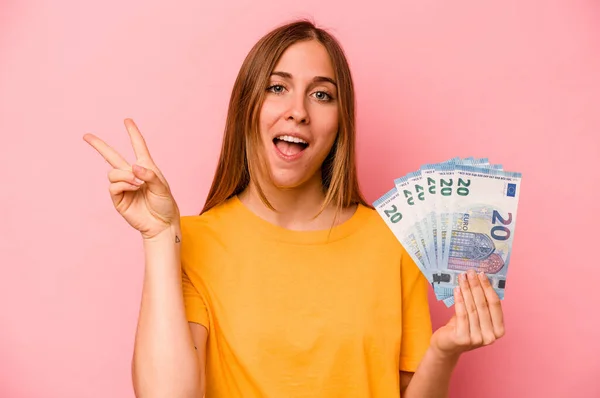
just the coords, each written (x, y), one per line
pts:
(177, 240)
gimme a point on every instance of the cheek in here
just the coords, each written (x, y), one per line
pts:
(326, 123)
(269, 114)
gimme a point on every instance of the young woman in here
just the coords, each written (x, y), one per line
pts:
(288, 284)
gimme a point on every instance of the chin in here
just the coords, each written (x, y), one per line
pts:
(283, 179)
(287, 183)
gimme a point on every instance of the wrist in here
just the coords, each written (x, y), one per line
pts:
(444, 357)
(170, 235)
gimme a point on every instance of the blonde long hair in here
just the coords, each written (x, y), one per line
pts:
(240, 157)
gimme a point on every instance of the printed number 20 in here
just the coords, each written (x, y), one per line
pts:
(500, 232)
(393, 213)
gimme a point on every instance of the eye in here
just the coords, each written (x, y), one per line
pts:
(276, 88)
(323, 96)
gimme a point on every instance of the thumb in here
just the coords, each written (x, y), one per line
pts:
(154, 183)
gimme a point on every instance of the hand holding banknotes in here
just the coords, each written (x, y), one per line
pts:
(455, 216)
(140, 193)
(478, 319)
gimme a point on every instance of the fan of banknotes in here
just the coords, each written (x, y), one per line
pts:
(454, 216)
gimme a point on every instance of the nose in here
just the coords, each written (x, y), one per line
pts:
(297, 111)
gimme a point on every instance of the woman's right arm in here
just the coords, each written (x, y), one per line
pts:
(165, 360)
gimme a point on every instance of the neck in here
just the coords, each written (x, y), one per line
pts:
(295, 208)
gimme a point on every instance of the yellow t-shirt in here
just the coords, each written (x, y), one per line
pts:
(302, 313)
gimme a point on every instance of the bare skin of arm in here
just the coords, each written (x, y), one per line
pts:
(200, 336)
(478, 322)
(405, 378)
(165, 361)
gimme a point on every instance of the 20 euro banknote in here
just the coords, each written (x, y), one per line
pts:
(482, 219)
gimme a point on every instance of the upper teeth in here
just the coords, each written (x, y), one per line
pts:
(289, 138)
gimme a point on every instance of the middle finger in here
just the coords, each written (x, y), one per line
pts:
(137, 141)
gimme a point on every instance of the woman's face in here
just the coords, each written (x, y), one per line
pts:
(299, 117)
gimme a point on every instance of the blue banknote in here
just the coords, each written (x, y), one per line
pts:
(453, 216)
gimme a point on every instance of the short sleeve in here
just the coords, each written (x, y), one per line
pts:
(416, 318)
(195, 309)
(195, 306)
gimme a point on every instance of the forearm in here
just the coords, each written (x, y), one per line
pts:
(165, 363)
(432, 377)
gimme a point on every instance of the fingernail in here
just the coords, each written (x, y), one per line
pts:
(138, 181)
(471, 274)
(462, 277)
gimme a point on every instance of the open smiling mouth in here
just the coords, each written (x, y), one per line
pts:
(288, 146)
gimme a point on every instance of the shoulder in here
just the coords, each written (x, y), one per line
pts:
(214, 221)
(375, 228)
(374, 224)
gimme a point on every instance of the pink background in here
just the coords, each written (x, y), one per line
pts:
(516, 81)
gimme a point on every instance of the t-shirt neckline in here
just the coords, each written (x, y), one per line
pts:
(254, 222)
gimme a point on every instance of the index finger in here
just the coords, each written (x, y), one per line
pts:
(137, 141)
(109, 154)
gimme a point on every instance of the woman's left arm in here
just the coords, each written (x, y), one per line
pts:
(478, 322)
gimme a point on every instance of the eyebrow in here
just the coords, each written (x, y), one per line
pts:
(316, 79)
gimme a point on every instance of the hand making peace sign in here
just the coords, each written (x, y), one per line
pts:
(139, 192)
